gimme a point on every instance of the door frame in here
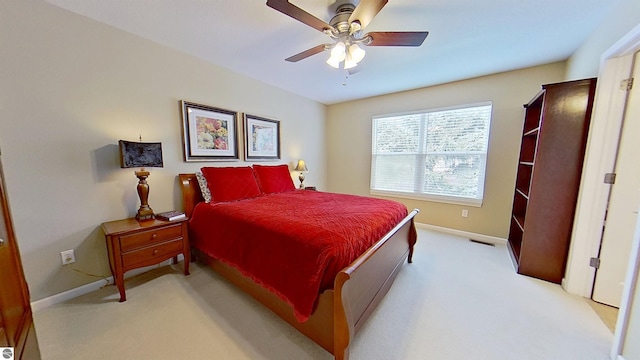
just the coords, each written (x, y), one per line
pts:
(628, 297)
(601, 152)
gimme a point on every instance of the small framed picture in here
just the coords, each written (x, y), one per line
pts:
(208, 133)
(261, 138)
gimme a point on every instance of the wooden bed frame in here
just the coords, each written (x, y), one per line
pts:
(358, 288)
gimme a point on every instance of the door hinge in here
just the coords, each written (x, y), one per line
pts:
(610, 178)
(594, 262)
(626, 84)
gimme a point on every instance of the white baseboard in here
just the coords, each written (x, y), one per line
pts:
(465, 234)
(85, 289)
(70, 294)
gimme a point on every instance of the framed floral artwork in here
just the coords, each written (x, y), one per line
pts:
(261, 138)
(208, 133)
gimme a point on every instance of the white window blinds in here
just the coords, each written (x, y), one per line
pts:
(437, 154)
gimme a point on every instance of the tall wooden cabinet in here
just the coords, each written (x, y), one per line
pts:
(16, 320)
(554, 138)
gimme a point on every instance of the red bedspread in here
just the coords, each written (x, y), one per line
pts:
(293, 243)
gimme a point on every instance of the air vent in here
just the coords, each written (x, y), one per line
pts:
(482, 242)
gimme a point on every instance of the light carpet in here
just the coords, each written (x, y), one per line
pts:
(458, 300)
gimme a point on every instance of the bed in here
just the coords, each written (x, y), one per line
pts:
(343, 298)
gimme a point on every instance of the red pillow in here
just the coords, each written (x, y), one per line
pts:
(231, 183)
(273, 179)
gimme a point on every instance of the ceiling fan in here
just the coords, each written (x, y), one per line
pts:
(346, 29)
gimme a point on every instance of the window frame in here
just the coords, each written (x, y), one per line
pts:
(449, 199)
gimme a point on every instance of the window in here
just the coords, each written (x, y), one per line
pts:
(438, 155)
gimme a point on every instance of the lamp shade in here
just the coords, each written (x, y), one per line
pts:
(357, 53)
(349, 62)
(337, 55)
(301, 166)
(139, 154)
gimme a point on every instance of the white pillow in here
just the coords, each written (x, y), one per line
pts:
(204, 188)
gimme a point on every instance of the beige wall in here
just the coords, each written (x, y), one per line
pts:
(70, 88)
(349, 142)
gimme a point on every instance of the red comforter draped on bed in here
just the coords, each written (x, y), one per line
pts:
(293, 243)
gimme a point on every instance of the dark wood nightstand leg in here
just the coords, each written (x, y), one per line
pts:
(186, 249)
(187, 261)
(120, 284)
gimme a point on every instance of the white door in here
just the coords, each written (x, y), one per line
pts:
(623, 205)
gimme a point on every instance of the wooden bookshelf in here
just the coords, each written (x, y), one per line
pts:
(554, 137)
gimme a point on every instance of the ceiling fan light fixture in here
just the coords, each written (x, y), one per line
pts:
(356, 52)
(333, 62)
(354, 27)
(338, 51)
(338, 54)
(349, 62)
(351, 54)
(349, 65)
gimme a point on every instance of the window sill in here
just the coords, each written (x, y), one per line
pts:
(433, 198)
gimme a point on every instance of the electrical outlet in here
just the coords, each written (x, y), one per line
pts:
(68, 257)
(465, 213)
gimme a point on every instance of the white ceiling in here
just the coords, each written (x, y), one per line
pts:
(467, 38)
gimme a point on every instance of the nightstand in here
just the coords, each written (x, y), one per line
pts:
(310, 188)
(132, 244)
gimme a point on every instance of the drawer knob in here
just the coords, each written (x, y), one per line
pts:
(155, 251)
(154, 236)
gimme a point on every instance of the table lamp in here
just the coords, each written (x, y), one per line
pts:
(302, 168)
(139, 154)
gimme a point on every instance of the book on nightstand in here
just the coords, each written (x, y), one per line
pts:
(171, 215)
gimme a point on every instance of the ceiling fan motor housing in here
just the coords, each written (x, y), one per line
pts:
(344, 30)
(341, 20)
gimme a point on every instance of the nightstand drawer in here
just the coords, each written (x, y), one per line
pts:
(152, 254)
(150, 237)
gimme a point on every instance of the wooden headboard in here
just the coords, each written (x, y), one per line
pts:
(191, 194)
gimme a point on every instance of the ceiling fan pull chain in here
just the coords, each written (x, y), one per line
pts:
(346, 77)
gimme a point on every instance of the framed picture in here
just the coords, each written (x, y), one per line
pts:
(261, 138)
(208, 133)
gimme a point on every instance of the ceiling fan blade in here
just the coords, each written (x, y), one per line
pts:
(295, 12)
(366, 11)
(305, 54)
(397, 38)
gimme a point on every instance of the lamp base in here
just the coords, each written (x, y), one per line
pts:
(301, 178)
(145, 212)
